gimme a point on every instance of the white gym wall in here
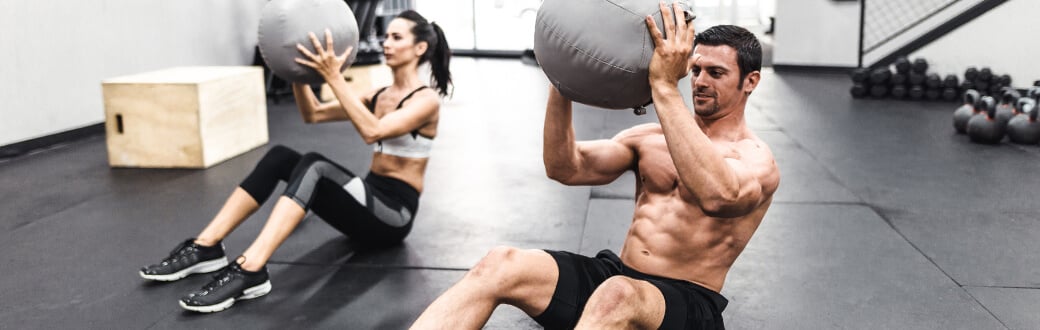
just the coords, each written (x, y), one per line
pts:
(826, 33)
(55, 53)
(817, 33)
(1001, 39)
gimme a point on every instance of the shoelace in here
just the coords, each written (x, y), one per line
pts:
(224, 277)
(182, 250)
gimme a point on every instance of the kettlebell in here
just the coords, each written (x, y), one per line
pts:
(965, 111)
(916, 92)
(1005, 80)
(920, 65)
(880, 76)
(971, 73)
(1006, 108)
(985, 74)
(899, 91)
(983, 127)
(902, 65)
(860, 75)
(950, 81)
(1023, 128)
(859, 90)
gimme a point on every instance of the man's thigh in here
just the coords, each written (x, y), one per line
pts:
(534, 275)
(577, 277)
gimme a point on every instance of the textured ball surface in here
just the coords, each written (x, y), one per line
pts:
(597, 52)
(285, 23)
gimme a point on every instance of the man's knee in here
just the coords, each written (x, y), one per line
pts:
(497, 264)
(614, 295)
(623, 302)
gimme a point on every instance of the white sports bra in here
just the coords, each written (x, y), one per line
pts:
(410, 145)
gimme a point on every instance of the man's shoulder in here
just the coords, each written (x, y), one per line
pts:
(640, 131)
(636, 137)
(755, 144)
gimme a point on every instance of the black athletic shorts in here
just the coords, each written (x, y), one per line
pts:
(687, 305)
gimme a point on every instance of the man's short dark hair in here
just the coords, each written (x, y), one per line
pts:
(749, 50)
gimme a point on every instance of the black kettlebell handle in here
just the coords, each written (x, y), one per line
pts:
(1025, 104)
(1009, 95)
(988, 104)
(1033, 92)
(971, 96)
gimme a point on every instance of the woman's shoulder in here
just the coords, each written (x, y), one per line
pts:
(426, 94)
(372, 93)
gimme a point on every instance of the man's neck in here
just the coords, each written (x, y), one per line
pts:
(729, 124)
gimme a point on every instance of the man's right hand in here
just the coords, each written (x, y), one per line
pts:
(671, 59)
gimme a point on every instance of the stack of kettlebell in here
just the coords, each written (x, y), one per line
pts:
(987, 119)
(905, 79)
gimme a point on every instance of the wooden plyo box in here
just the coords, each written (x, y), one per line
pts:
(362, 79)
(191, 117)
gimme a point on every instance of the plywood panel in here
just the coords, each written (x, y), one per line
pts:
(236, 116)
(184, 117)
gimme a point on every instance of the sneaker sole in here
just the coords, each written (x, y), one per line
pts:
(202, 267)
(254, 292)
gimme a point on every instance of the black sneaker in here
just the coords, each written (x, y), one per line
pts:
(232, 283)
(186, 259)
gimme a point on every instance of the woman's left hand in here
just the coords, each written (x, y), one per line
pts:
(326, 62)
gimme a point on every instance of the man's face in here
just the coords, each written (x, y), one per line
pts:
(716, 80)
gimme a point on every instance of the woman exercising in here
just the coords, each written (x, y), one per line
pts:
(377, 210)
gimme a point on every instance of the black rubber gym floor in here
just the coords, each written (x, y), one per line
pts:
(884, 219)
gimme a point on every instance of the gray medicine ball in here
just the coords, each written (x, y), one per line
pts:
(285, 23)
(597, 52)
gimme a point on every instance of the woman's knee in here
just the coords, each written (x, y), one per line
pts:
(281, 154)
(278, 162)
(304, 163)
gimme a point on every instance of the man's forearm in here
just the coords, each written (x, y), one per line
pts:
(700, 166)
(558, 144)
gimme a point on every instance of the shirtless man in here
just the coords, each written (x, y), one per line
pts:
(705, 183)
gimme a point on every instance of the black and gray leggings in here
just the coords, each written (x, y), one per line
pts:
(376, 210)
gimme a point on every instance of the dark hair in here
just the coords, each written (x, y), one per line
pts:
(749, 50)
(437, 53)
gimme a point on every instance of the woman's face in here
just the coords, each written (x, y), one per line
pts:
(400, 47)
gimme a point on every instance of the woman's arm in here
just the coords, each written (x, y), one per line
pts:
(314, 111)
(418, 112)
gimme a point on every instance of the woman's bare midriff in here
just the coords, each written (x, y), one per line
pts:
(409, 170)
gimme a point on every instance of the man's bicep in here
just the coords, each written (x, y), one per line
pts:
(757, 174)
(603, 161)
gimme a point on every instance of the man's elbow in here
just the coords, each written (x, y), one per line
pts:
(559, 174)
(726, 206)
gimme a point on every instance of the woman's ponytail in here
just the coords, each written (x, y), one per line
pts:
(440, 62)
(437, 53)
